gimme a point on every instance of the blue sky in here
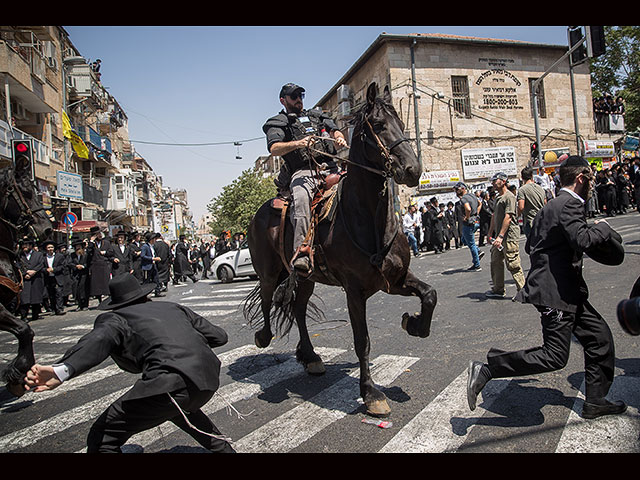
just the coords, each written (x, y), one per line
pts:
(215, 84)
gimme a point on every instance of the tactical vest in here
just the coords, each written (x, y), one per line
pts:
(297, 127)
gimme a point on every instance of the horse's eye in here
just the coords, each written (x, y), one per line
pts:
(378, 126)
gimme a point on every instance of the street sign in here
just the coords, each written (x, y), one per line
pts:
(70, 219)
(69, 184)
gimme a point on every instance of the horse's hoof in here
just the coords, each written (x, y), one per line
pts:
(315, 368)
(16, 389)
(415, 326)
(263, 341)
(378, 408)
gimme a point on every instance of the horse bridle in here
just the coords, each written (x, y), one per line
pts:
(384, 150)
(25, 220)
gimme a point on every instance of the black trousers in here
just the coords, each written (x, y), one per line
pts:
(151, 276)
(589, 328)
(54, 290)
(123, 419)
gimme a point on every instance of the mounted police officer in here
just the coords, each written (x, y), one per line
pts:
(292, 135)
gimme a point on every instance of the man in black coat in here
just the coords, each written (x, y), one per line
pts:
(54, 276)
(121, 255)
(555, 286)
(136, 250)
(79, 275)
(99, 255)
(32, 267)
(164, 265)
(166, 342)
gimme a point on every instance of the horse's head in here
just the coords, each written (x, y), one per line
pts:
(20, 207)
(385, 146)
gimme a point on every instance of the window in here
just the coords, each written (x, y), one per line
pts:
(460, 90)
(542, 109)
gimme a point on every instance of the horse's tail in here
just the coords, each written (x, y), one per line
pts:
(281, 309)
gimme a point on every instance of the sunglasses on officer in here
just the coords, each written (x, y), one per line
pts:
(296, 95)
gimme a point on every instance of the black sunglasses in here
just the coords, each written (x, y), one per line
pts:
(297, 95)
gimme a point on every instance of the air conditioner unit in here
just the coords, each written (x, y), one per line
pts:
(18, 111)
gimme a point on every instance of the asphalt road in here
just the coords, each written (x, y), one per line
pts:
(266, 403)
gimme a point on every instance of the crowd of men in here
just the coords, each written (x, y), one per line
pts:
(438, 227)
(56, 279)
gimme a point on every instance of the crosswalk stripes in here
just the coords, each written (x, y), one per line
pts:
(285, 433)
(437, 428)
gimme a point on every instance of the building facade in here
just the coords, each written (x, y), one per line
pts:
(55, 97)
(468, 101)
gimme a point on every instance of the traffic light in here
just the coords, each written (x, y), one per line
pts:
(22, 150)
(579, 54)
(534, 150)
(596, 44)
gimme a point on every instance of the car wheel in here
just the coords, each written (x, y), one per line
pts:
(225, 274)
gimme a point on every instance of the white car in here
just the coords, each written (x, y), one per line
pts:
(235, 263)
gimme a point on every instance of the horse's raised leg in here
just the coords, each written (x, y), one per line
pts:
(305, 354)
(17, 369)
(420, 325)
(374, 400)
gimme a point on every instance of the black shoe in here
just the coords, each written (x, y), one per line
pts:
(480, 255)
(474, 269)
(61, 312)
(159, 295)
(478, 378)
(595, 410)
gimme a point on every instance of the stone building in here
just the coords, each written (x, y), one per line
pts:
(472, 98)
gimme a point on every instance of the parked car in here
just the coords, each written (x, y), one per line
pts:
(232, 264)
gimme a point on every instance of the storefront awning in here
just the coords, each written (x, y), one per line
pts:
(82, 226)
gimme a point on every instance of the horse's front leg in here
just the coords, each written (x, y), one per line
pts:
(305, 354)
(374, 400)
(417, 325)
(15, 372)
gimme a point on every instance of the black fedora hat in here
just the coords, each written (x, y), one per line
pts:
(610, 252)
(125, 289)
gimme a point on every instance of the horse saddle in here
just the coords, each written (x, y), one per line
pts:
(323, 209)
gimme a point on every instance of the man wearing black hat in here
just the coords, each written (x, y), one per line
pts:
(135, 246)
(121, 255)
(150, 261)
(291, 134)
(32, 267)
(56, 265)
(169, 344)
(555, 286)
(79, 274)
(99, 256)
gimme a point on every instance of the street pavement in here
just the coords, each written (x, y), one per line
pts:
(267, 404)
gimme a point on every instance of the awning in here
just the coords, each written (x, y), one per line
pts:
(81, 226)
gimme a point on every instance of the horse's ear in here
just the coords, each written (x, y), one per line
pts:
(372, 93)
(386, 96)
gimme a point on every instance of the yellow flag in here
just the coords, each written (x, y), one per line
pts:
(78, 145)
(66, 126)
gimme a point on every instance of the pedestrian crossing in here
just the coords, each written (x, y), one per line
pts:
(295, 421)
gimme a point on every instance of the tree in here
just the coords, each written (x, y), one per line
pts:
(617, 71)
(234, 208)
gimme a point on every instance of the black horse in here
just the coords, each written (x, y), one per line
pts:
(362, 249)
(21, 214)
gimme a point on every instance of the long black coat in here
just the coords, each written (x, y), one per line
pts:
(59, 269)
(559, 236)
(80, 276)
(99, 260)
(124, 259)
(33, 288)
(136, 261)
(164, 252)
(162, 340)
(181, 265)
